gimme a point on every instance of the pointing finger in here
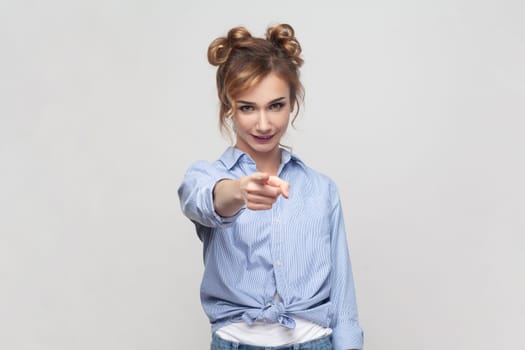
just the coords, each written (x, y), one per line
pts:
(285, 188)
(278, 182)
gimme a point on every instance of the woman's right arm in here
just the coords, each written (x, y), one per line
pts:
(227, 197)
(213, 198)
(196, 194)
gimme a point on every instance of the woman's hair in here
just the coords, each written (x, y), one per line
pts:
(243, 61)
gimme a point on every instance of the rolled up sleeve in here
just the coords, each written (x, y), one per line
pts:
(196, 195)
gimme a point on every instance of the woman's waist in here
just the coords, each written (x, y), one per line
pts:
(272, 334)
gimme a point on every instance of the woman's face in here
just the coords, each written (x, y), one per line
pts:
(262, 116)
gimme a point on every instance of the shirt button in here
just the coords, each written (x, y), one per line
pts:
(276, 221)
(278, 263)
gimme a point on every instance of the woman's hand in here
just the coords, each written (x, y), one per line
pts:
(258, 191)
(261, 190)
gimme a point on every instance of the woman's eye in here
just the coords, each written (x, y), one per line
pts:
(246, 108)
(276, 106)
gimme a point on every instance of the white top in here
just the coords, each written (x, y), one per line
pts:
(272, 334)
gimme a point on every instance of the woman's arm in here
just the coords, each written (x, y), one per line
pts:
(347, 333)
(212, 197)
(196, 194)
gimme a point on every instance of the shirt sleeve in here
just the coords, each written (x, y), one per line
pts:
(346, 331)
(196, 195)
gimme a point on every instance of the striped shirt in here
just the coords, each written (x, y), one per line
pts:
(297, 249)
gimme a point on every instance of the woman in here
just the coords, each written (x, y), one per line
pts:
(277, 269)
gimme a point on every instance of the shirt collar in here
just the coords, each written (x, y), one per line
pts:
(233, 155)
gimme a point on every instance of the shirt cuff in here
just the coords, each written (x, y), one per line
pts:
(346, 337)
(222, 220)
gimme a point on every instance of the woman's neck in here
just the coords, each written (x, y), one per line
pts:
(268, 167)
(268, 163)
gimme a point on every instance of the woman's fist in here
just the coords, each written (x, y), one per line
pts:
(261, 190)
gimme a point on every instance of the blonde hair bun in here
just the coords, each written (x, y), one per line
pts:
(220, 49)
(283, 36)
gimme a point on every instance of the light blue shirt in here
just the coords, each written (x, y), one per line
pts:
(297, 249)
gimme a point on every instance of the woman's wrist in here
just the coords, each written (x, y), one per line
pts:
(227, 197)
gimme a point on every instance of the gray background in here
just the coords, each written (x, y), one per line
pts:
(414, 108)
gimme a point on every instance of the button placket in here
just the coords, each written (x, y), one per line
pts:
(277, 248)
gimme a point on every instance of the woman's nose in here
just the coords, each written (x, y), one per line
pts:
(263, 123)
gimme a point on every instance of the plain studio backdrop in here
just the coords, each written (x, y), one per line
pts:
(414, 108)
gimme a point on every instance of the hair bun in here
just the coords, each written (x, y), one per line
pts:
(238, 34)
(220, 49)
(283, 36)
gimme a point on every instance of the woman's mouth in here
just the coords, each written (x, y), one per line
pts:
(262, 139)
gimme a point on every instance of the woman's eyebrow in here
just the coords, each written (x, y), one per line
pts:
(245, 102)
(278, 99)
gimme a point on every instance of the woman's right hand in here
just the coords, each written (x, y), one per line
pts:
(258, 191)
(261, 190)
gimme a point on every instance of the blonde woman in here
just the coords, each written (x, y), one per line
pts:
(277, 269)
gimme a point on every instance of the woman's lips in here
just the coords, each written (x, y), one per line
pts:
(263, 139)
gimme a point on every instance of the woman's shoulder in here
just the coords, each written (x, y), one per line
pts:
(220, 164)
(310, 170)
(207, 168)
(315, 176)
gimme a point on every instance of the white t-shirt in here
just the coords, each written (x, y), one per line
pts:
(272, 334)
